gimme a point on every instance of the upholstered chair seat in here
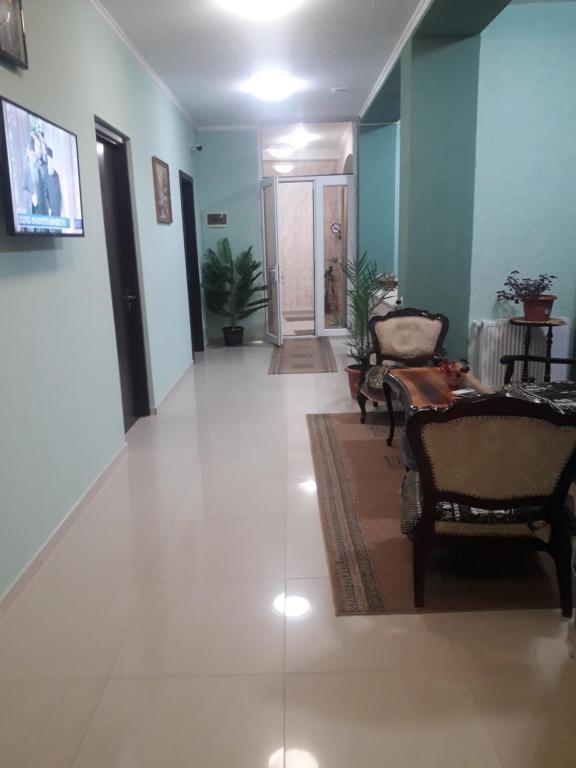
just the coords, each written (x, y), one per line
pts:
(452, 519)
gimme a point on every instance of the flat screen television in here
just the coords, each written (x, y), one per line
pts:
(40, 175)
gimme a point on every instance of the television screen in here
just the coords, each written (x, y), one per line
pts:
(40, 175)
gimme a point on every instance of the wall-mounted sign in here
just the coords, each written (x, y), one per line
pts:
(216, 219)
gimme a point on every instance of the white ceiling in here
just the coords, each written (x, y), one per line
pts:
(203, 54)
(330, 138)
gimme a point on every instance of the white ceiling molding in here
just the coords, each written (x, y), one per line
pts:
(224, 128)
(417, 17)
(111, 21)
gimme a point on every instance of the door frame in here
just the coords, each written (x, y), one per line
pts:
(106, 134)
(272, 276)
(320, 182)
(192, 260)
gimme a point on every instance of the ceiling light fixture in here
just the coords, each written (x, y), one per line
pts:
(284, 167)
(260, 10)
(300, 138)
(280, 153)
(272, 85)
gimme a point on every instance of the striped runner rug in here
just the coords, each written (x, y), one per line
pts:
(303, 356)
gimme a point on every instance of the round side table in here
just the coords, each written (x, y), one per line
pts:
(551, 323)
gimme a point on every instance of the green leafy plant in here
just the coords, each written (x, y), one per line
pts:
(230, 283)
(519, 289)
(365, 291)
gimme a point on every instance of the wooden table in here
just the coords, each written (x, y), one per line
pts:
(551, 323)
(427, 387)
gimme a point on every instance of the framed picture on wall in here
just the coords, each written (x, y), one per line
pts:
(161, 175)
(12, 36)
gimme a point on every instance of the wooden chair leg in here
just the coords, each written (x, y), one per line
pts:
(388, 395)
(562, 554)
(362, 400)
(420, 555)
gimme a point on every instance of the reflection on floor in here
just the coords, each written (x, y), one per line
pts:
(186, 618)
(298, 322)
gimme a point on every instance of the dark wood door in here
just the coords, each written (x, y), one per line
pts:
(124, 283)
(192, 266)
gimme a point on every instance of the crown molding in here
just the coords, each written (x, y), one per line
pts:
(224, 128)
(113, 24)
(417, 17)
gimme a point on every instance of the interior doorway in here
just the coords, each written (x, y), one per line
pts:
(309, 228)
(123, 269)
(192, 265)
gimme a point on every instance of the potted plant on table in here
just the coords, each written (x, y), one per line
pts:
(230, 287)
(365, 291)
(532, 292)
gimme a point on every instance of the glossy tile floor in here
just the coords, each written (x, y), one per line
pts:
(155, 637)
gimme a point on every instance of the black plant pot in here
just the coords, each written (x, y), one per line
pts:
(233, 336)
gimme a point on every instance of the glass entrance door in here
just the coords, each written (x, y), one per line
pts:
(335, 245)
(272, 260)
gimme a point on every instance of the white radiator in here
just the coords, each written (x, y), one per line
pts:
(495, 338)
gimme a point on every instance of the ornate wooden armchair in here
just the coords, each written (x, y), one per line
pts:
(495, 471)
(403, 337)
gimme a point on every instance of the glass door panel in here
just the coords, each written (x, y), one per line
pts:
(271, 260)
(335, 246)
(296, 241)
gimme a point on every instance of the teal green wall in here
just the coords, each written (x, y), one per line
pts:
(438, 136)
(377, 203)
(59, 385)
(525, 210)
(229, 181)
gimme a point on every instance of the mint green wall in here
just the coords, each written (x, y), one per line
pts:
(229, 182)
(377, 203)
(525, 211)
(59, 386)
(438, 133)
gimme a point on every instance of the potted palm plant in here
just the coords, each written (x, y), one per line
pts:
(532, 292)
(230, 287)
(365, 291)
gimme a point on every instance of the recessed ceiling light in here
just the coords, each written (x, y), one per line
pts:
(280, 153)
(272, 85)
(309, 486)
(260, 10)
(284, 168)
(293, 606)
(300, 138)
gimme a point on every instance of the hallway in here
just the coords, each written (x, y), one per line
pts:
(150, 637)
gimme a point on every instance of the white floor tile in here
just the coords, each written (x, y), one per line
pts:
(400, 719)
(42, 724)
(227, 628)
(320, 641)
(205, 722)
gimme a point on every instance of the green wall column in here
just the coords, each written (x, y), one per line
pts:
(438, 142)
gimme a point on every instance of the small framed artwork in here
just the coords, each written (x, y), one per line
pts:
(12, 35)
(161, 175)
(216, 219)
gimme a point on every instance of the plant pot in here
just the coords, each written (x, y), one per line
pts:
(233, 336)
(539, 309)
(354, 373)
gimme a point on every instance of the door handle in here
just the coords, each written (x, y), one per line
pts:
(130, 298)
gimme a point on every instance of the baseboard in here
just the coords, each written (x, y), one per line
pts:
(154, 410)
(26, 576)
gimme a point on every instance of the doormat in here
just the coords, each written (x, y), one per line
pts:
(370, 560)
(303, 356)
